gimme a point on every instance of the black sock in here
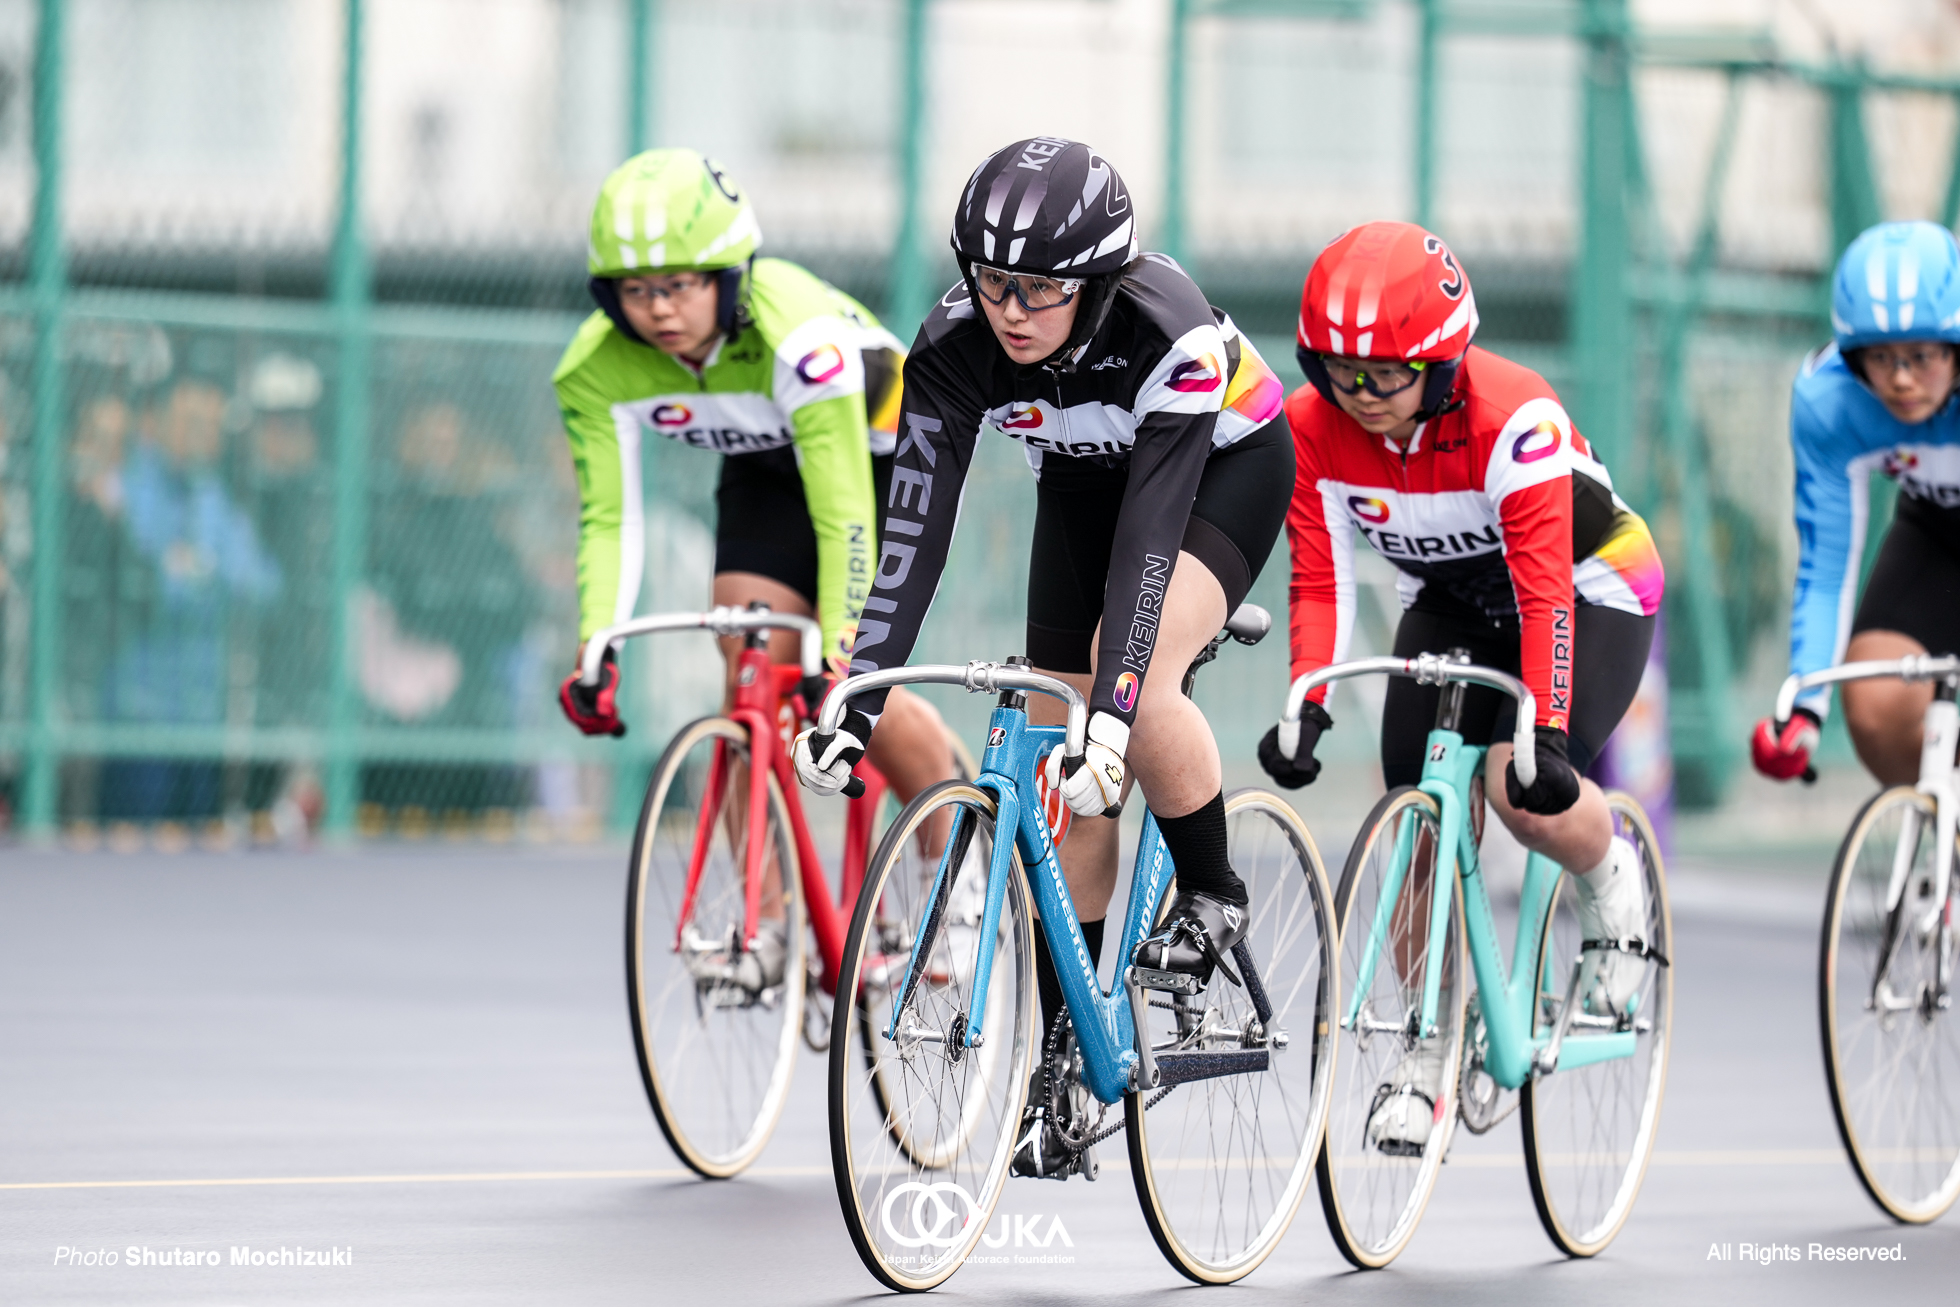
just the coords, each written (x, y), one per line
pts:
(1197, 846)
(1050, 984)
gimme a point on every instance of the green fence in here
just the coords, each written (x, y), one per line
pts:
(286, 518)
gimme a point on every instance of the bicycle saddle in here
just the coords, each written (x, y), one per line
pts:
(1249, 624)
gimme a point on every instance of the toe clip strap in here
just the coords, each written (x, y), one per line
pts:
(1632, 944)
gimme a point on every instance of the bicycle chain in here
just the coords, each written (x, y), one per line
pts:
(1050, 1047)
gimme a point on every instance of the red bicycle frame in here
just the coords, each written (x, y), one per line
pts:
(765, 706)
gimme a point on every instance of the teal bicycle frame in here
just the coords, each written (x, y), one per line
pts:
(1114, 1060)
(1507, 1000)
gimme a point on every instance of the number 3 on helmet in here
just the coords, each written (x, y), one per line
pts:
(1389, 291)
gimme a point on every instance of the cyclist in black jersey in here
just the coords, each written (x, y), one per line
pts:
(1163, 470)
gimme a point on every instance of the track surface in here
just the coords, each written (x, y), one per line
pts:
(422, 1056)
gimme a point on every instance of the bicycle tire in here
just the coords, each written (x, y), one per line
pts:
(888, 1128)
(1374, 1200)
(716, 1060)
(1221, 1165)
(1584, 1192)
(1904, 1147)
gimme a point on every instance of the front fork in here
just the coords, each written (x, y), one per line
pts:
(1939, 738)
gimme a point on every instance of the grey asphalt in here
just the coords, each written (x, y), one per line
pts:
(421, 1056)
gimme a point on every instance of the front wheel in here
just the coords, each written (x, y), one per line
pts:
(1891, 1044)
(1395, 1084)
(1589, 1130)
(922, 1127)
(716, 1038)
(1220, 1165)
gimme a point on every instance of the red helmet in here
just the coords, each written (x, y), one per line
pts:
(1391, 291)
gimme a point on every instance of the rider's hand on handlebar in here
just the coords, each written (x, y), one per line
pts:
(1092, 785)
(594, 709)
(1557, 785)
(1302, 767)
(824, 762)
(1781, 750)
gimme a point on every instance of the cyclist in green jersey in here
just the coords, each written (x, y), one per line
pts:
(793, 381)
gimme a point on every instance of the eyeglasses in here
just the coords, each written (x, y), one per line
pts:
(1883, 360)
(684, 286)
(1035, 293)
(1379, 379)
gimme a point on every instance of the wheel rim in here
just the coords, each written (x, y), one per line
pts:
(717, 1060)
(1590, 1130)
(1374, 1200)
(1893, 1069)
(921, 1141)
(1222, 1164)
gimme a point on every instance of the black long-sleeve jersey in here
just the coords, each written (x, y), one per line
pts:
(1164, 382)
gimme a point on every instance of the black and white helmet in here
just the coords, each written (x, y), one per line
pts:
(1046, 205)
(1054, 208)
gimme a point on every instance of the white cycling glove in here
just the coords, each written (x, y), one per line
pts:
(824, 762)
(1095, 786)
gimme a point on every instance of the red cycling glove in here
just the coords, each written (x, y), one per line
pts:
(1783, 752)
(594, 709)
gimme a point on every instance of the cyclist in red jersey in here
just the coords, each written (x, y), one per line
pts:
(1464, 470)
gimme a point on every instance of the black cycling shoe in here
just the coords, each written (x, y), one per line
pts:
(1195, 937)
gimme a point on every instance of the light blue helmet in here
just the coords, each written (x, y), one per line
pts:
(1898, 281)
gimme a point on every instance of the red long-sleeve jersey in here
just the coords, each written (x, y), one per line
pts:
(1498, 508)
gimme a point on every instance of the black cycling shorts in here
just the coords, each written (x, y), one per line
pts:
(762, 519)
(1914, 588)
(1237, 515)
(1609, 655)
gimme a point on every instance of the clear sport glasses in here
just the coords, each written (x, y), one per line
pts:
(1379, 379)
(1035, 293)
(672, 289)
(1916, 359)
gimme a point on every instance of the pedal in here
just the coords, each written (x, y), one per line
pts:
(1174, 982)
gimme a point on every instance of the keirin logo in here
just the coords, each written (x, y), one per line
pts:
(820, 365)
(1200, 374)
(1368, 510)
(1126, 691)
(936, 1216)
(1026, 419)
(1542, 441)
(672, 415)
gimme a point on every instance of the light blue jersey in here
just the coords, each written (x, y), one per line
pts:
(1841, 434)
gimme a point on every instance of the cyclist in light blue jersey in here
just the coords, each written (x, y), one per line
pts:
(1879, 399)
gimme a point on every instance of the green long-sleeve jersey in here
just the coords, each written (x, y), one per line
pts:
(793, 376)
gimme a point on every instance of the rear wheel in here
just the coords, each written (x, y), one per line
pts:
(922, 1127)
(1891, 1043)
(1220, 1165)
(716, 1052)
(1375, 1181)
(1589, 1130)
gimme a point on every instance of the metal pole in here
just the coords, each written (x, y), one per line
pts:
(1950, 209)
(350, 289)
(1701, 715)
(639, 77)
(1174, 98)
(47, 278)
(1602, 308)
(1854, 193)
(910, 296)
(1425, 160)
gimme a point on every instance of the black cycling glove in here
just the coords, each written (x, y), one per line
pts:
(1302, 767)
(1557, 786)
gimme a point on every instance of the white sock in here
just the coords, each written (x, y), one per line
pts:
(1620, 857)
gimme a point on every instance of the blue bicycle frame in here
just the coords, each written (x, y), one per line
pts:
(1507, 1001)
(1104, 1030)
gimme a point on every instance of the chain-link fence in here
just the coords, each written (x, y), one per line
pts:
(286, 515)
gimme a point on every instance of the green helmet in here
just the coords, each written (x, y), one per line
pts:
(670, 209)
